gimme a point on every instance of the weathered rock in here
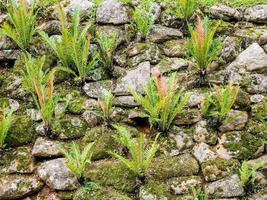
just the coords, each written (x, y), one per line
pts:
(188, 117)
(10, 104)
(184, 185)
(252, 59)
(201, 134)
(57, 175)
(172, 64)
(7, 43)
(91, 118)
(168, 167)
(262, 159)
(134, 79)
(251, 35)
(154, 190)
(47, 193)
(98, 89)
(195, 98)
(225, 13)
(51, 27)
(125, 101)
(231, 46)
(19, 186)
(111, 173)
(258, 84)
(34, 114)
(236, 121)
(112, 12)
(7, 55)
(173, 48)
(161, 33)
(256, 13)
(219, 168)
(257, 98)
(82, 5)
(258, 197)
(225, 188)
(46, 148)
(18, 160)
(202, 152)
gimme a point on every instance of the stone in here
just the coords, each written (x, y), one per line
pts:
(252, 35)
(226, 188)
(82, 5)
(257, 98)
(168, 167)
(34, 114)
(202, 134)
(8, 55)
(154, 190)
(190, 116)
(134, 79)
(225, 13)
(202, 152)
(19, 186)
(10, 104)
(57, 175)
(17, 160)
(125, 101)
(236, 120)
(184, 185)
(258, 84)
(258, 197)
(256, 13)
(7, 43)
(44, 147)
(51, 27)
(173, 48)
(231, 46)
(161, 33)
(195, 98)
(214, 170)
(112, 174)
(112, 12)
(98, 89)
(262, 159)
(252, 59)
(171, 65)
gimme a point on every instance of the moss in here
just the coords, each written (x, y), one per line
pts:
(243, 100)
(168, 167)
(158, 189)
(113, 174)
(216, 169)
(21, 131)
(69, 127)
(243, 145)
(66, 195)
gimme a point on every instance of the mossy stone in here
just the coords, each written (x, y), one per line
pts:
(113, 174)
(77, 105)
(21, 132)
(168, 167)
(243, 100)
(69, 127)
(217, 169)
(100, 193)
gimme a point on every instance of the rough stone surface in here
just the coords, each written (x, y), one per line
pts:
(134, 79)
(7, 55)
(126, 101)
(258, 84)
(56, 175)
(183, 185)
(225, 12)
(19, 186)
(112, 12)
(226, 188)
(202, 152)
(46, 148)
(252, 59)
(172, 64)
(98, 89)
(82, 5)
(256, 14)
(161, 33)
(236, 121)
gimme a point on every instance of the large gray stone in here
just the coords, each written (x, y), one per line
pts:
(46, 148)
(112, 12)
(252, 59)
(98, 89)
(227, 187)
(225, 12)
(202, 152)
(57, 175)
(236, 121)
(161, 33)
(134, 79)
(19, 186)
(256, 13)
(82, 5)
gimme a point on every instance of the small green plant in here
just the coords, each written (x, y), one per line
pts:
(5, 124)
(77, 160)
(41, 86)
(247, 174)
(143, 18)
(21, 23)
(202, 46)
(219, 103)
(140, 155)
(125, 2)
(186, 8)
(199, 194)
(107, 46)
(106, 106)
(162, 101)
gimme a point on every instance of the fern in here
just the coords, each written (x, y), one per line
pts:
(78, 160)
(202, 46)
(41, 87)
(186, 8)
(162, 101)
(247, 174)
(143, 18)
(140, 156)
(199, 194)
(219, 103)
(5, 124)
(21, 23)
(106, 106)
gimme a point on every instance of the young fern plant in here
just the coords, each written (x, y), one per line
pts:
(143, 18)
(106, 106)
(5, 124)
(77, 160)
(41, 86)
(186, 9)
(21, 24)
(199, 194)
(140, 155)
(219, 103)
(162, 101)
(247, 175)
(202, 46)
